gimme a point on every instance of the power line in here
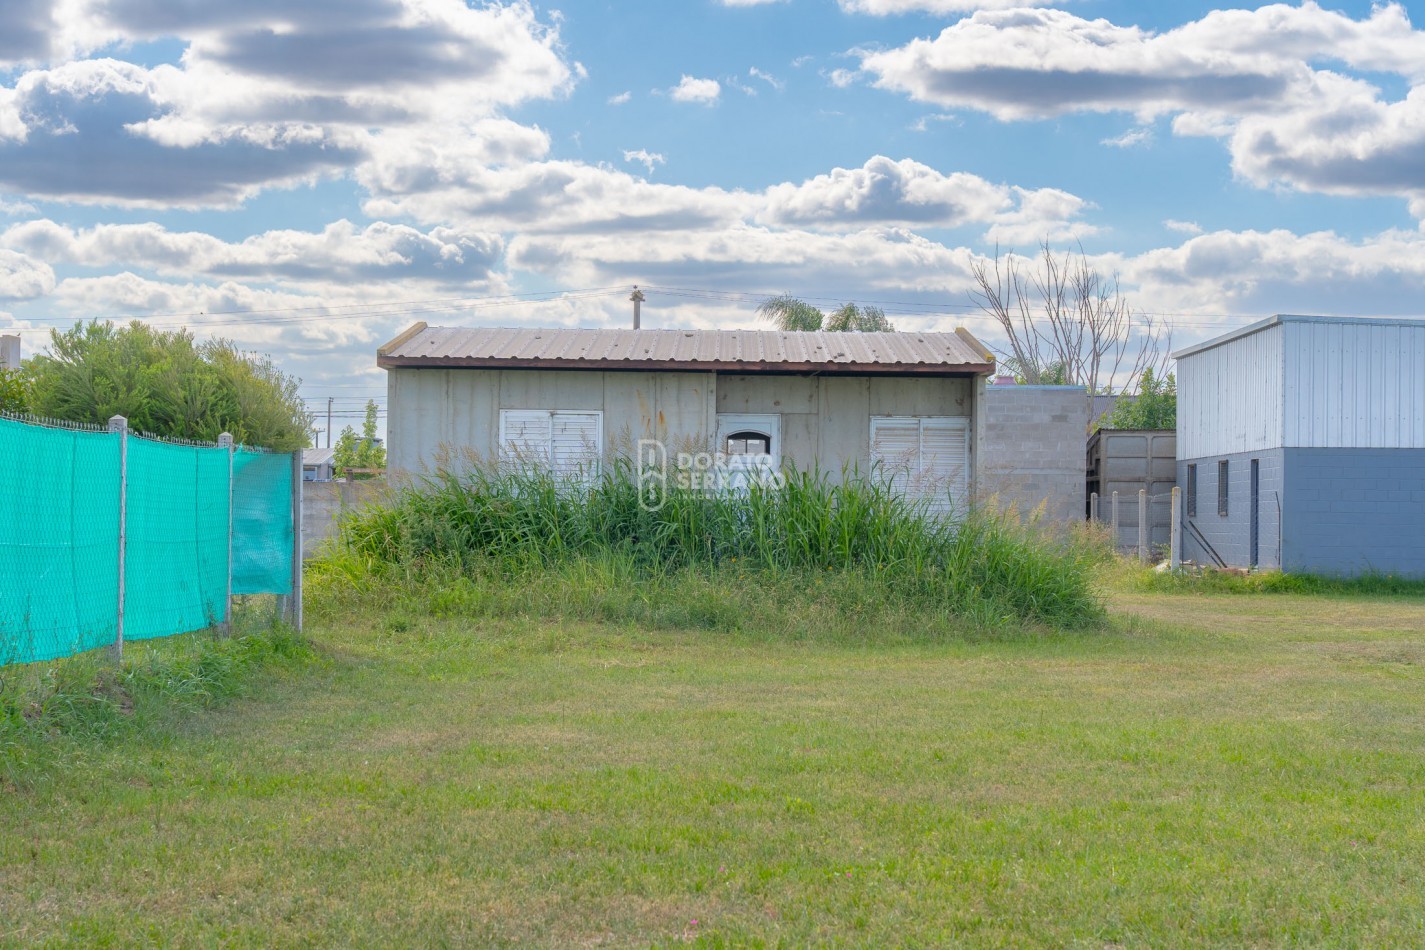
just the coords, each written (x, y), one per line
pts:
(909, 308)
(273, 316)
(437, 302)
(317, 313)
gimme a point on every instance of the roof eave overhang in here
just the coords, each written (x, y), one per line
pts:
(693, 366)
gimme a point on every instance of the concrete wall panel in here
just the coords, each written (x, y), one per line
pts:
(323, 504)
(684, 417)
(919, 396)
(630, 406)
(780, 394)
(844, 424)
(548, 389)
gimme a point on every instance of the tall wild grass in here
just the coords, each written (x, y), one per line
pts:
(495, 523)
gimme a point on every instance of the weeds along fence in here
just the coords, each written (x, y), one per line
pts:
(109, 536)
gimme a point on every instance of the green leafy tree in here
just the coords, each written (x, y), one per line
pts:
(354, 451)
(166, 383)
(1155, 406)
(789, 313)
(1055, 374)
(14, 391)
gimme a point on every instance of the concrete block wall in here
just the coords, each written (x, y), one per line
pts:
(1033, 449)
(323, 504)
(1230, 535)
(1349, 511)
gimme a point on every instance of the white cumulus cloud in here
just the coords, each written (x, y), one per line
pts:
(1274, 83)
(644, 157)
(1133, 138)
(23, 277)
(341, 253)
(895, 7)
(690, 89)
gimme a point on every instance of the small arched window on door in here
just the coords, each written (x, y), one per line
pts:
(748, 442)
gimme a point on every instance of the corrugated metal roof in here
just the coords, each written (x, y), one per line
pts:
(1281, 318)
(740, 350)
(317, 456)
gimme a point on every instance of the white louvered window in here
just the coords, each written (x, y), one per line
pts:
(924, 457)
(567, 443)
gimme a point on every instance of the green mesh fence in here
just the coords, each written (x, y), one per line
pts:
(262, 523)
(60, 493)
(59, 538)
(176, 543)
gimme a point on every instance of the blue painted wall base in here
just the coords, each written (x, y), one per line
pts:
(1339, 512)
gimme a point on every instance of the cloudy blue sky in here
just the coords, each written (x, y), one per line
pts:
(309, 178)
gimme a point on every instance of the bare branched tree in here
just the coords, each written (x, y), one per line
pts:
(1068, 324)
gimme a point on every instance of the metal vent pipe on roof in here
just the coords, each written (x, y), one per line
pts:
(637, 299)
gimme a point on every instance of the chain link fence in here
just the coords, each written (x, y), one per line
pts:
(108, 536)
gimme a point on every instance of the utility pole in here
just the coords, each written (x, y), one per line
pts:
(637, 299)
(329, 422)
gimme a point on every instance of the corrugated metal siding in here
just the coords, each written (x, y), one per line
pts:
(1230, 397)
(1354, 385)
(594, 348)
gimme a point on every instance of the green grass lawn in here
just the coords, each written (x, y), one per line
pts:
(1213, 768)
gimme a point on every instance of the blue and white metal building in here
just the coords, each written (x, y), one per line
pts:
(1301, 445)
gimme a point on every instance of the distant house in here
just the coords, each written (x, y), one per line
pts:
(318, 465)
(1301, 445)
(912, 402)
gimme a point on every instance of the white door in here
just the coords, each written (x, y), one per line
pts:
(749, 447)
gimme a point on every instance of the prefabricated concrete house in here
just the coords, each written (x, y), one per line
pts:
(833, 401)
(1301, 445)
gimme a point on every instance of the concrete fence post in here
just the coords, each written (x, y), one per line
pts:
(1143, 525)
(1175, 540)
(1113, 512)
(296, 604)
(1093, 506)
(120, 425)
(225, 441)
